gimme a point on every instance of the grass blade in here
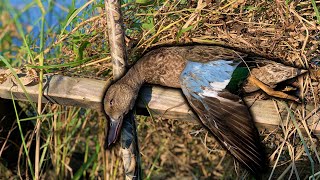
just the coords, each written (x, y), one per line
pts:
(316, 10)
(22, 137)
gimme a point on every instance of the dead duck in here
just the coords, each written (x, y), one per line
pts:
(204, 73)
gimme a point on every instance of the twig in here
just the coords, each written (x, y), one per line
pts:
(128, 139)
(270, 91)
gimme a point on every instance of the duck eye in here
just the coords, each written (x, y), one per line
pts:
(111, 102)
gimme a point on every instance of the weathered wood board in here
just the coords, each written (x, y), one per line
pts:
(169, 103)
(59, 89)
(163, 102)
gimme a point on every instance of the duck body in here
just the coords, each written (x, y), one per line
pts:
(203, 73)
(164, 66)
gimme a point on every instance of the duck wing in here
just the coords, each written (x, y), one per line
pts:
(224, 114)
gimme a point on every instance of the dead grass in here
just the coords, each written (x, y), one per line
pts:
(286, 32)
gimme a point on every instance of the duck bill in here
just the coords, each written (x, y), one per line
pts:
(113, 132)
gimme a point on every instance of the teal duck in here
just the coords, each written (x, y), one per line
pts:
(205, 75)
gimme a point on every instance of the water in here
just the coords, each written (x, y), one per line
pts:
(56, 15)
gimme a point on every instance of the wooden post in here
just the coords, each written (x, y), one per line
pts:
(116, 38)
(128, 137)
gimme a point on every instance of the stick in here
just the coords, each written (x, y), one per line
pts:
(128, 138)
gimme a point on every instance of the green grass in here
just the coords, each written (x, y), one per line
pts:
(77, 46)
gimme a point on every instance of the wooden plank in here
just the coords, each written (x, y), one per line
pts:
(59, 89)
(170, 103)
(163, 102)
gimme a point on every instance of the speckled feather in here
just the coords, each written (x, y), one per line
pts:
(164, 65)
(221, 112)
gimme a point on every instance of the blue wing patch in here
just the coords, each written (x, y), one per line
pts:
(206, 78)
(221, 112)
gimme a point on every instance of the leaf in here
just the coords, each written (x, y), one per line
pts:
(148, 24)
(183, 30)
(72, 16)
(143, 1)
(82, 48)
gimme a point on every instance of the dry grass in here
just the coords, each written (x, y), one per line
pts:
(283, 31)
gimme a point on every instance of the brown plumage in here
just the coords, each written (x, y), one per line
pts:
(220, 111)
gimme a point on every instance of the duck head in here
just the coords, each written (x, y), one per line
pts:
(119, 99)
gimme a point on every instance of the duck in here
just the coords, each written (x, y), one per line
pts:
(204, 74)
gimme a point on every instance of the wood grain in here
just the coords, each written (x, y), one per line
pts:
(59, 89)
(163, 102)
(128, 137)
